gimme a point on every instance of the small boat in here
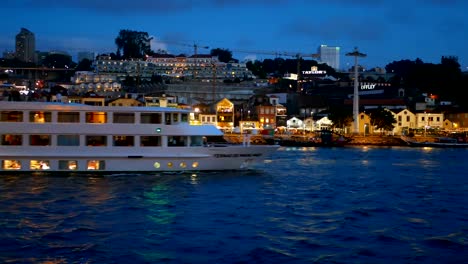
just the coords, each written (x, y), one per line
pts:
(439, 142)
(66, 137)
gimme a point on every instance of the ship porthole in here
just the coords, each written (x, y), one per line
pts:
(169, 164)
(183, 165)
(195, 164)
(157, 165)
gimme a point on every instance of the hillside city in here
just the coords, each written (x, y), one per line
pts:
(290, 93)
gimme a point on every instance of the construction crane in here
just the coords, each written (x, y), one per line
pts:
(296, 55)
(195, 47)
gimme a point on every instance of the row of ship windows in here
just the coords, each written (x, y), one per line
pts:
(72, 165)
(92, 117)
(100, 140)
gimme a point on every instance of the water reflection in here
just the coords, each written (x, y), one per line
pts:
(194, 179)
(160, 213)
(304, 205)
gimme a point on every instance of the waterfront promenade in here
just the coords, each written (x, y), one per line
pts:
(356, 140)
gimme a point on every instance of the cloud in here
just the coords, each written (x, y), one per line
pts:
(250, 57)
(156, 44)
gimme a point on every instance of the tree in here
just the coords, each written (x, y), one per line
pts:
(256, 68)
(84, 65)
(161, 51)
(56, 60)
(444, 80)
(340, 117)
(383, 119)
(133, 44)
(280, 66)
(224, 55)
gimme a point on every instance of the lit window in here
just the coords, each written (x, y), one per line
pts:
(183, 165)
(96, 165)
(11, 165)
(169, 164)
(157, 165)
(39, 165)
(40, 117)
(195, 164)
(96, 117)
(68, 165)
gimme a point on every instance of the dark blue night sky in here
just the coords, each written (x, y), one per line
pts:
(385, 30)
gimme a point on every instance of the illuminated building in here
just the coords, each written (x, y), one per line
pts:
(330, 56)
(25, 46)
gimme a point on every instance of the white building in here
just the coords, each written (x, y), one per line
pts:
(429, 120)
(86, 81)
(198, 67)
(295, 123)
(405, 120)
(323, 123)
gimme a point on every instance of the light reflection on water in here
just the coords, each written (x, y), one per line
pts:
(303, 205)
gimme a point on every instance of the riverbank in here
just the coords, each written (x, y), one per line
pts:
(356, 140)
(377, 141)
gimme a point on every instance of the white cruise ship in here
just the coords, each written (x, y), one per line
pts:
(38, 136)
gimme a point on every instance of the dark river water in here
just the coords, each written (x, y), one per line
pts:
(305, 205)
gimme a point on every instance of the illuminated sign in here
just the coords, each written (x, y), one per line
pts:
(368, 86)
(314, 70)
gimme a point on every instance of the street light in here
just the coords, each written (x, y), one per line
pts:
(311, 121)
(425, 123)
(303, 123)
(356, 54)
